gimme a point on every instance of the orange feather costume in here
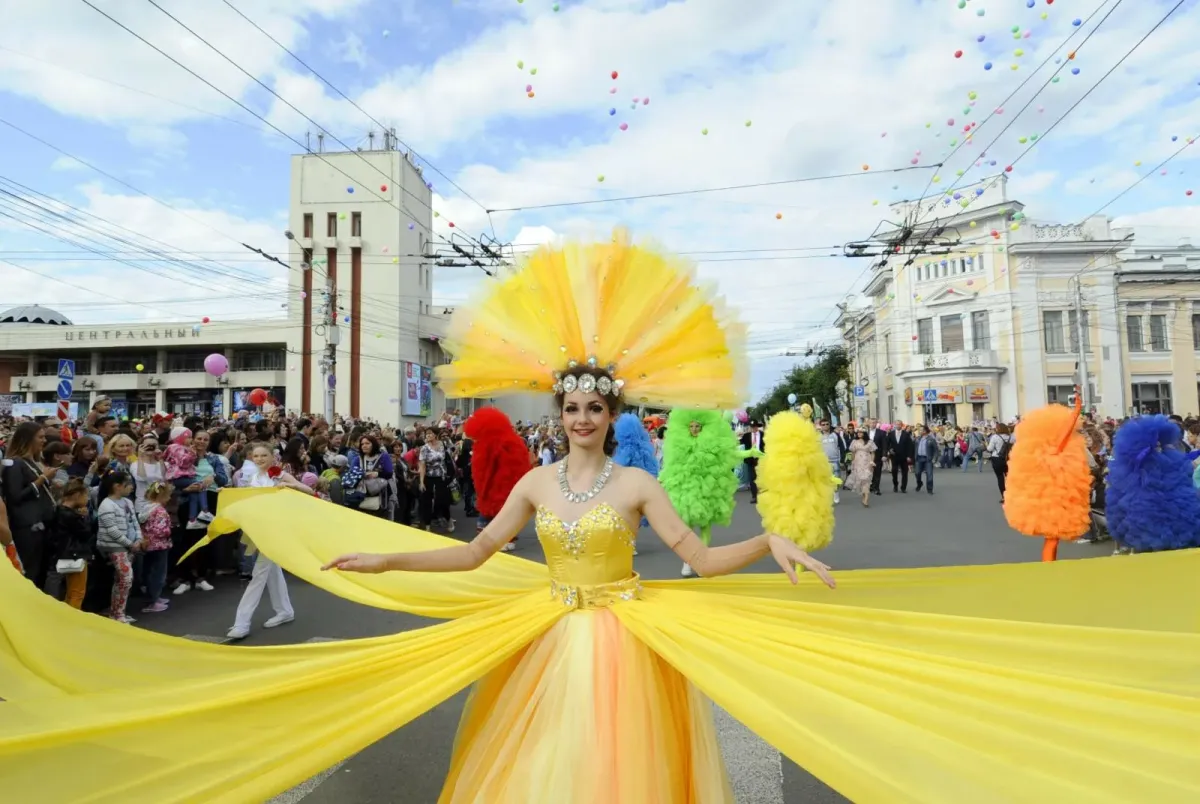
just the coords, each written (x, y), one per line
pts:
(1049, 485)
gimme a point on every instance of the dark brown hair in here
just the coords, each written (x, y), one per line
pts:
(1001, 428)
(612, 401)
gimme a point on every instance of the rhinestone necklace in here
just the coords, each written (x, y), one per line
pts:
(597, 486)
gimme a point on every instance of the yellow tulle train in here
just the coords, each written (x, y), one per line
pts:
(673, 342)
(1071, 681)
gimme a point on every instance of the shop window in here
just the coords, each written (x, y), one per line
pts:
(179, 362)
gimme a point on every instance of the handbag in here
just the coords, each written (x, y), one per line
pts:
(70, 566)
(370, 503)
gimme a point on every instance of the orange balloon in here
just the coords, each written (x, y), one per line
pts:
(531, 94)
(778, 216)
(866, 167)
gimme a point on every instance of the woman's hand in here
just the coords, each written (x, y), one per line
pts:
(50, 472)
(787, 555)
(358, 562)
(422, 485)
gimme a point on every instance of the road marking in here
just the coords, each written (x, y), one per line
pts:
(301, 791)
(215, 640)
(755, 768)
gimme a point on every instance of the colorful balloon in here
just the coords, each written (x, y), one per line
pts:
(216, 364)
(257, 397)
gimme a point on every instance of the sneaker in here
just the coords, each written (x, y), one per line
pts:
(124, 618)
(204, 586)
(279, 619)
(837, 498)
(155, 607)
(196, 524)
(450, 525)
(166, 601)
(687, 571)
(508, 547)
(204, 516)
(181, 588)
(237, 633)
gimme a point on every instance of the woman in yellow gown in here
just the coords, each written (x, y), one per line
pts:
(1065, 681)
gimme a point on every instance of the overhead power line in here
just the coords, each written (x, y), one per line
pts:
(673, 193)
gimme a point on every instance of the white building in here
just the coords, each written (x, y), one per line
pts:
(987, 328)
(142, 367)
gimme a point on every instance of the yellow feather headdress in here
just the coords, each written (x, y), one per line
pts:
(635, 312)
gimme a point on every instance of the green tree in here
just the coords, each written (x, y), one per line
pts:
(815, 381)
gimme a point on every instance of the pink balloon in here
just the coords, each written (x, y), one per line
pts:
(913, 161)
(216, 364)
(612, 91)
(636, 100)
(529, 87)
(623, 126)
(950, 122)
(1000, 110)
(645, 101)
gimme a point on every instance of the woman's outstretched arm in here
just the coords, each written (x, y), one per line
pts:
(512, 517)
(713, 561)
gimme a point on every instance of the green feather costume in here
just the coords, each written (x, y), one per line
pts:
(697, 471)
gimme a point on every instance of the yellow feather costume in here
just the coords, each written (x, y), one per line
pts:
(796, 485)
(671, 341)
(936, 685)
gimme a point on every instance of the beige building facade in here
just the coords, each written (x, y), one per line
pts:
(989, 325)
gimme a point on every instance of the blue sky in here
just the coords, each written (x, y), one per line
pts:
(826, 89)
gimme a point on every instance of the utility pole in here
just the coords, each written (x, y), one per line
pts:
(1080, 331)
(332, 339)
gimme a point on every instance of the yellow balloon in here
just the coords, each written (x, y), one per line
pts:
(140, 367)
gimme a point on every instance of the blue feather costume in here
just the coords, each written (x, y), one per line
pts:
(1151, 503)
(633, 446)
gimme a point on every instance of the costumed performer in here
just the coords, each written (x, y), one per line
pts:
(634, 448)
(936, 685)
(797, 487)
(1151, 503)
(700, 453)
(499, 458)
(1049, 483)
(261, 472)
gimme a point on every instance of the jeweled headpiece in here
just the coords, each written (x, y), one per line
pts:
(636, 315)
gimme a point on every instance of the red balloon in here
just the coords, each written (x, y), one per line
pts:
(1189, 192)
(958, 54)
(614, 75)
(257, 397)
(204, 320)
(1008, 169)
(451, 224)
(383, 187)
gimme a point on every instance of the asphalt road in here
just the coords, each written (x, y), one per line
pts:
(962, 523)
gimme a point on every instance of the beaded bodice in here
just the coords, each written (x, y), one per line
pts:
(590, 560)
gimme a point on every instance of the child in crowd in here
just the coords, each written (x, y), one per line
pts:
(72, 540)
(180, 459)
(118, 537)
(156, 529)
(261, 471)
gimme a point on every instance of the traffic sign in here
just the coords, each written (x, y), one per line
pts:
(860, 390)
(66, 378)
(929, 395)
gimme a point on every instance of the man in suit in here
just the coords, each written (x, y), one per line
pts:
(901, 449)
(879, 438)
(753, 440)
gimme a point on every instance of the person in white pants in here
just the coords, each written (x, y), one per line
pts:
(267, 574)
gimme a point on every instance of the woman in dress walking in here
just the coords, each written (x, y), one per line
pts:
(862, 466)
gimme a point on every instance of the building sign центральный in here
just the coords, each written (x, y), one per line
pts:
(130, 335)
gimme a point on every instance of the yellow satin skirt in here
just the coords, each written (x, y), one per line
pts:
(586, 714)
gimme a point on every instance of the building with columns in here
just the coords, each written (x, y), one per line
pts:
(989, 323)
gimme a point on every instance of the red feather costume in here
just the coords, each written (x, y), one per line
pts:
(499, 458)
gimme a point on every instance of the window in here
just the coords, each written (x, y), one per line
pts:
(981, 337)
(266, 360)
(331, 225)
(925, 336)
(1072, 319)
(977, 414)
(1059, 393)
(178, 362)
(356, 224)
(308, 229)
(887, 350)
(1152, 397)
(1052, 329)
(952, 333)
(1195, 332)
(1158, 333)
(1133, 331)
(48, 366)
(127, 362)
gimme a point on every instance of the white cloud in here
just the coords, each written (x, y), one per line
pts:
(67, 163)
(351, 50)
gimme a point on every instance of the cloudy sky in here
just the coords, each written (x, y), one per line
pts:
(784, 89)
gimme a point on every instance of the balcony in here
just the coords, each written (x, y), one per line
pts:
(969, 361)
